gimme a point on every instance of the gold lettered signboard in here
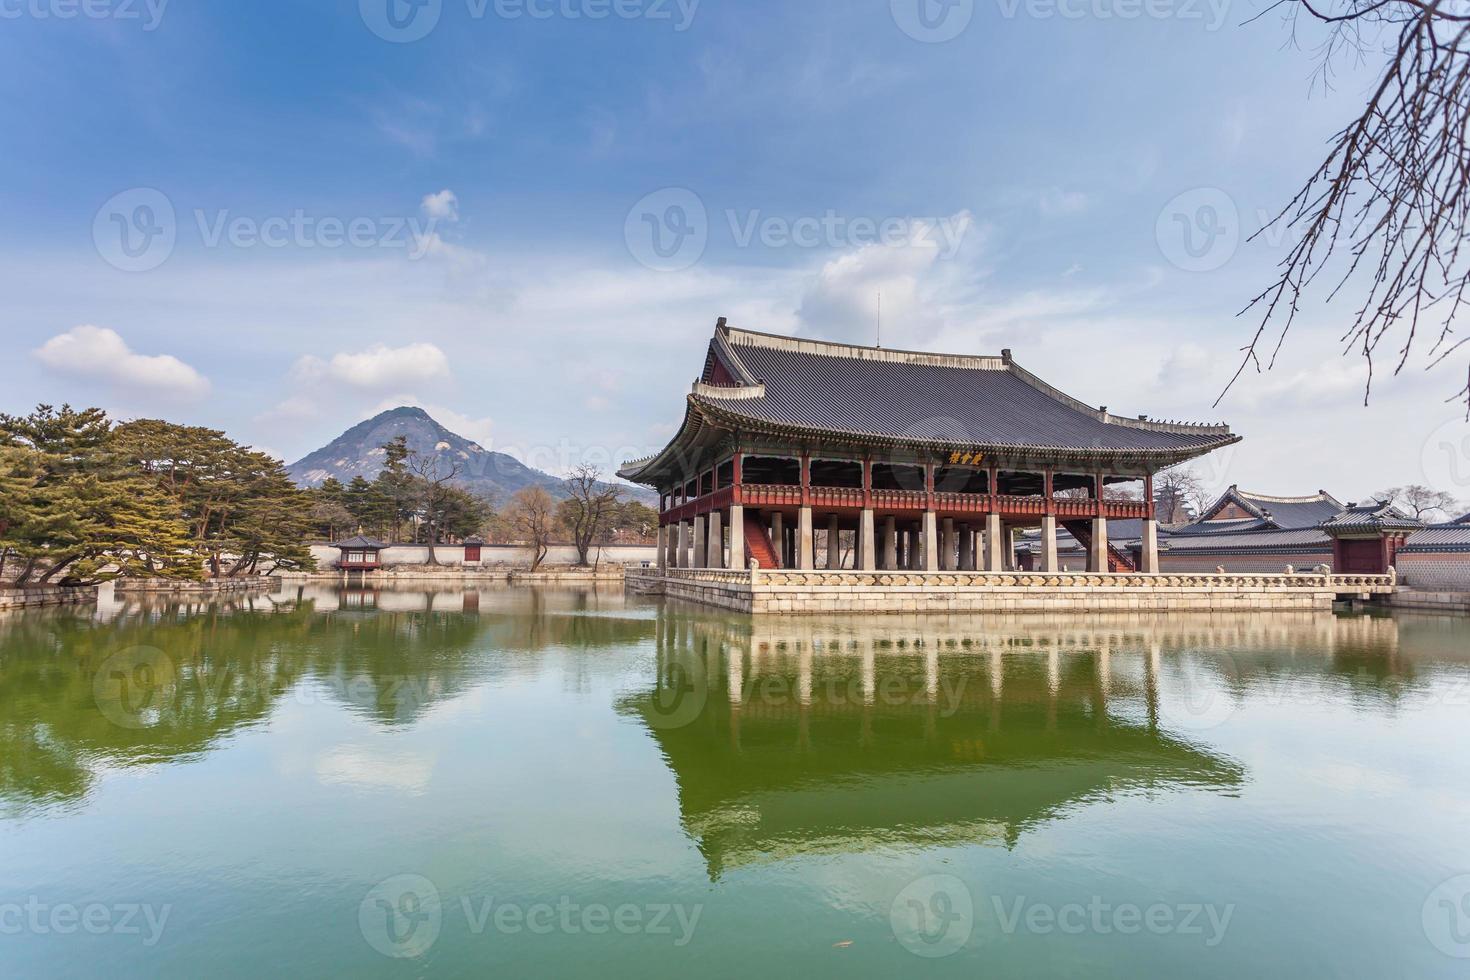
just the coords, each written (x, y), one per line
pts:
(961, 458)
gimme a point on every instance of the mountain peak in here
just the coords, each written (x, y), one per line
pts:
(359, 452)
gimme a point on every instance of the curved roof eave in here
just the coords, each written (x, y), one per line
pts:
(734, 419)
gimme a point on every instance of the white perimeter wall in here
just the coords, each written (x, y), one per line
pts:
(493, 555)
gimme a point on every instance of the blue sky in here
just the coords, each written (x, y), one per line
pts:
(325, 218)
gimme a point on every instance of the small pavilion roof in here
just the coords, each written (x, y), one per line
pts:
(756, 382)
(1268, 512)
(1376, 515)
(361, 543)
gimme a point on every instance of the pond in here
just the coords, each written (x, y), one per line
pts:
(582, 782)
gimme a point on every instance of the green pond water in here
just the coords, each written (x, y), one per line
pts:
(574, 783)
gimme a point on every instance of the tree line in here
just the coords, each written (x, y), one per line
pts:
(84, 500)
(415, 500)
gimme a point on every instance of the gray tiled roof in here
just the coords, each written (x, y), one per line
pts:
(978, 401)
(1276, 511)
(1308, 538)
(360, 542)
(1375, 515)
(1440, 537)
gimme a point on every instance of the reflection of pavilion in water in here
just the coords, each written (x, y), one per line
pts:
(794, 736)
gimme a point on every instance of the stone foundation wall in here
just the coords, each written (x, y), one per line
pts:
(1450, 602)
(49, 595)
(1015, 592)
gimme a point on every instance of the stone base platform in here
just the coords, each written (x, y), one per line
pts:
(794, 592)
(213, 586)
(15, 597)
(1449, 602)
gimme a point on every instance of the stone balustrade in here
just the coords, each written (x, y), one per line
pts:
(791, 590)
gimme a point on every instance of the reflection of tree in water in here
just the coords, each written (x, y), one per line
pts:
(204, 670)
(226, 671)
(792, 736)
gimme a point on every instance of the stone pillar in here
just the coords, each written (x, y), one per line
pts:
(1097, 560)
(967, 549)
(866, 543)
(684, 544)
(834, 543)
(701, 543)
(946, 545)
(931, 541)
(1149, 557)
(715, 553)
(663, 547)
(993, 556)
(737, 537)
(805, 540)
(1049, 562)
(671, 533)
(890, 544)
(778, 538)
(1009, 540)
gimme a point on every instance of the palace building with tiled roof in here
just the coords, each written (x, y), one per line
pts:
(923, 461)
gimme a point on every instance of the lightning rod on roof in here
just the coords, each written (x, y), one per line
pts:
(880, 320)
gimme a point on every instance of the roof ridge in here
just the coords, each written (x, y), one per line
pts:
(835, 348)
(1276, 499)
(975, 362)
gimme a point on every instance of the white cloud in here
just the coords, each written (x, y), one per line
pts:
(443, 206)
(380, 366)
(1058, 203)
(101, 354)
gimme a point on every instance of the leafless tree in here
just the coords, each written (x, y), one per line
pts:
(531, 517)
(590, 509)
(1178, 489)
(1391, 194)
(434, 479)
(1421, 502)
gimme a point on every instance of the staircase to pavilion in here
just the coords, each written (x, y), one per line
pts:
(1118, 561)
(758, 544)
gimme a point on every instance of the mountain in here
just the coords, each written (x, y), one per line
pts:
(358, 452)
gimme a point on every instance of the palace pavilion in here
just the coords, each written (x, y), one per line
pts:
(899, 460)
